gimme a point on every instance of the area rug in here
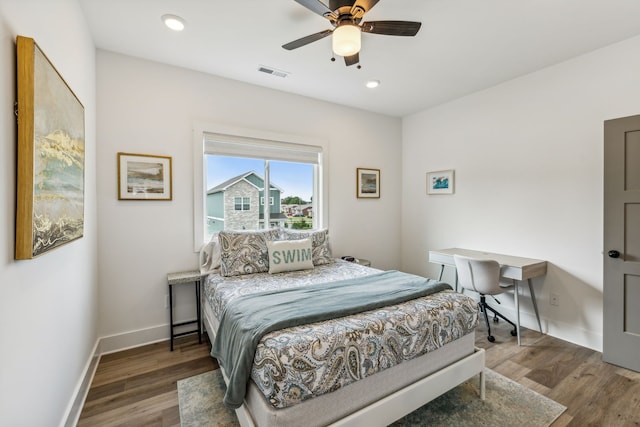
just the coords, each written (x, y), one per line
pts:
(507, 404)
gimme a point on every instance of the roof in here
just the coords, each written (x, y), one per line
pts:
(228, 183)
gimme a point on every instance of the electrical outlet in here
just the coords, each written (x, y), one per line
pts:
(166, 301)
(554, 299)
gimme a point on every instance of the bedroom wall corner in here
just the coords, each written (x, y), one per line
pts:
(142, 241)
(48, 305)
(528, 161)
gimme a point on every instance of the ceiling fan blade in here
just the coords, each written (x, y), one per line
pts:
(392, 28)
(316, 6)
(360, 7)
(352, 60)
(306, 40)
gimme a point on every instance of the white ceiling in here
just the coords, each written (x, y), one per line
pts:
(463, 45)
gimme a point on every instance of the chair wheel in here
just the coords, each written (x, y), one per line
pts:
(495, 320)
(491, 338)
(514, 333)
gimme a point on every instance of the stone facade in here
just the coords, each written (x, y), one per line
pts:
(241, 220)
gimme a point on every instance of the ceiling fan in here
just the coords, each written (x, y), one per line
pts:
(346, 18)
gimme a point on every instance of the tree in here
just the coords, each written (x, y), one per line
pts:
(301, 225)
(293, 200)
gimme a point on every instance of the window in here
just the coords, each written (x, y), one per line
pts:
(242, 203)
(270, 201)
(239, 170)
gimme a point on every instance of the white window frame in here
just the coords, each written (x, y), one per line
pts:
(263, 144)
(271, 201)
(242, 203)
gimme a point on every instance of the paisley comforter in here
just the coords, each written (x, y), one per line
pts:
(298, 363)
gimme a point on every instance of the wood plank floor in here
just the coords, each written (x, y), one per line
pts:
(138, 387)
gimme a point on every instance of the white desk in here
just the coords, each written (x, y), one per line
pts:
(514, 268)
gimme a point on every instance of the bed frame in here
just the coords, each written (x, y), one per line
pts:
(398, 404)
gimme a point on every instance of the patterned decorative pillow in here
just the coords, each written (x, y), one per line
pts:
(319, 243)
(289, 255)
(245, 252)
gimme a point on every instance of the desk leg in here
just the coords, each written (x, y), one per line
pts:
(535, 304)
(456, 277)
(517, 300)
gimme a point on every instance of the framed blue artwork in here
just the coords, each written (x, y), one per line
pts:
(440, 182)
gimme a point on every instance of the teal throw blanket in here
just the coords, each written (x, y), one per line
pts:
(247, 318)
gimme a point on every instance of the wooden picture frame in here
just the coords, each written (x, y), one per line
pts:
(440, 182)
(144, 177)
(367, 183)
(50, 156)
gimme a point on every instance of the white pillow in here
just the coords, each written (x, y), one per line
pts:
(290, 255)
(210, 256)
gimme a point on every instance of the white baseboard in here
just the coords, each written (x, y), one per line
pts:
(105, 345)
(581, 337)
(74, 409)
(132, 339)
(554, 328)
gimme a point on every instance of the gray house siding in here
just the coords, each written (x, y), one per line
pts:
(215, 205)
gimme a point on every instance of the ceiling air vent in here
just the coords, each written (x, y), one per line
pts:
(273, 71)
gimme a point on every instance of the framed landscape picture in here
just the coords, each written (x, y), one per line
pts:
(50, 156)
(440, 182)
(368, 183)
(144, 177)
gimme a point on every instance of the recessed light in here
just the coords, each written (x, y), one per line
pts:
(373, 84)
(174, 22)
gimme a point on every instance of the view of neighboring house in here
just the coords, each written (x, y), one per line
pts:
(298, 210)
(238, 204)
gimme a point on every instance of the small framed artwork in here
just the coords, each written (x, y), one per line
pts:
(440, 182)
(144, 177)
(368, 183)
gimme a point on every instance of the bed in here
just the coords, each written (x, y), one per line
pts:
(366, 367)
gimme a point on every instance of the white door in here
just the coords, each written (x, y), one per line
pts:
(621, 338)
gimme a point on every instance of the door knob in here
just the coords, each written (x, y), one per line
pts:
(614, 254)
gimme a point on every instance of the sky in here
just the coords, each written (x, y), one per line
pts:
(295, 179)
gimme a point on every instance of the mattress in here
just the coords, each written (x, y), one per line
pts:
(296, 364)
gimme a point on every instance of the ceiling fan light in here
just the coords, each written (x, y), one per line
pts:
(174, 22)
(346, 40)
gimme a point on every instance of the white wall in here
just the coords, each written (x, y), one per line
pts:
(149, 108)
(527, 155)
(528, 160)
(48, 305)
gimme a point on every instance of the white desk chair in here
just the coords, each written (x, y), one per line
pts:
(483, 277)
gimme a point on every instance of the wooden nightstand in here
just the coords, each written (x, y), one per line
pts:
(178, 279)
